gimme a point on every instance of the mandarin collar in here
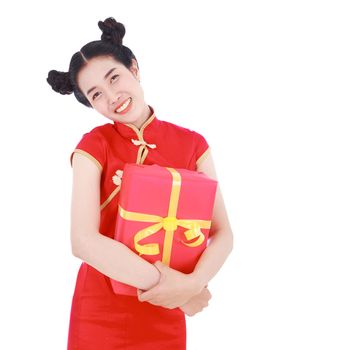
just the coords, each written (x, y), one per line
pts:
(130, 131)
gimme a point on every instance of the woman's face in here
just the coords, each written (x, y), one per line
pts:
(113, 90)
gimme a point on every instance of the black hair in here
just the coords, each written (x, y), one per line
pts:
(110, 45)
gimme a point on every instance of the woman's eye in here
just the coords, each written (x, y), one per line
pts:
(116, 75)
(94, 95)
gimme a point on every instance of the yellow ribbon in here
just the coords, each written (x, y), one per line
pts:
(169, 223)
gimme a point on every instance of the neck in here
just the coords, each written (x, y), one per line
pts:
(144, 116)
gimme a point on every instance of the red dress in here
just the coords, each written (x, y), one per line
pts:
(100, 319)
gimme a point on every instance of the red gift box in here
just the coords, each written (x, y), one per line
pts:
(164, 214)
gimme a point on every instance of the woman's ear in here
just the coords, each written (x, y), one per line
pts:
(135, 70)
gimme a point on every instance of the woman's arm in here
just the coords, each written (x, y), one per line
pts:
(221, 243)
(112, 258)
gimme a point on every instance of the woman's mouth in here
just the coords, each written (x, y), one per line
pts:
(124, 108)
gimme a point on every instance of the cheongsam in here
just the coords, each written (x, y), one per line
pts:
(99, 318)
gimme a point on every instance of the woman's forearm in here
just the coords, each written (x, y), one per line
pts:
(116, 260)
(213, 257)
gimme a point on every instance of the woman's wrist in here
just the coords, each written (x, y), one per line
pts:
(156, 275)
(198, 283)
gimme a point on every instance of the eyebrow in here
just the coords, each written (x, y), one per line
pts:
(105, 77)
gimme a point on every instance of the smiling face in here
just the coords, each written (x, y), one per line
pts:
(109, 86)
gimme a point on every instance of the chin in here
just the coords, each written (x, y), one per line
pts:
(129, 117)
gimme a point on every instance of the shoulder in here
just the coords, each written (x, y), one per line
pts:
(193, 135)
(100, 135)
(193, 140)
(101, 131)
(93, 144)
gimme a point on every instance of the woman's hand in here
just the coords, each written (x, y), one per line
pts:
(174, 288)
(197, 303)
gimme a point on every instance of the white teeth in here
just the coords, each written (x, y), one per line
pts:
(124, 105)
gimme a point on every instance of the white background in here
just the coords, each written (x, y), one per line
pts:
(265, 83)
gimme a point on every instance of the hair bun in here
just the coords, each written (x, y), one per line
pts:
(112, 31)
(60, 82)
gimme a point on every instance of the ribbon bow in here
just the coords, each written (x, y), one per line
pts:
(169, 223)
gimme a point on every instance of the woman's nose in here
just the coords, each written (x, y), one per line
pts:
(112, 99)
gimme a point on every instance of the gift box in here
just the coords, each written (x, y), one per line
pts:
(164, 214)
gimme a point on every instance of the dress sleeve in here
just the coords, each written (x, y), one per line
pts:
(202, 148)
(91, 145)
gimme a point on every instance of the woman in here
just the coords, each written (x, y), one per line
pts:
(104, 75)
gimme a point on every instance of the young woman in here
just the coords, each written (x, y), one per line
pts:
(104, 75)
